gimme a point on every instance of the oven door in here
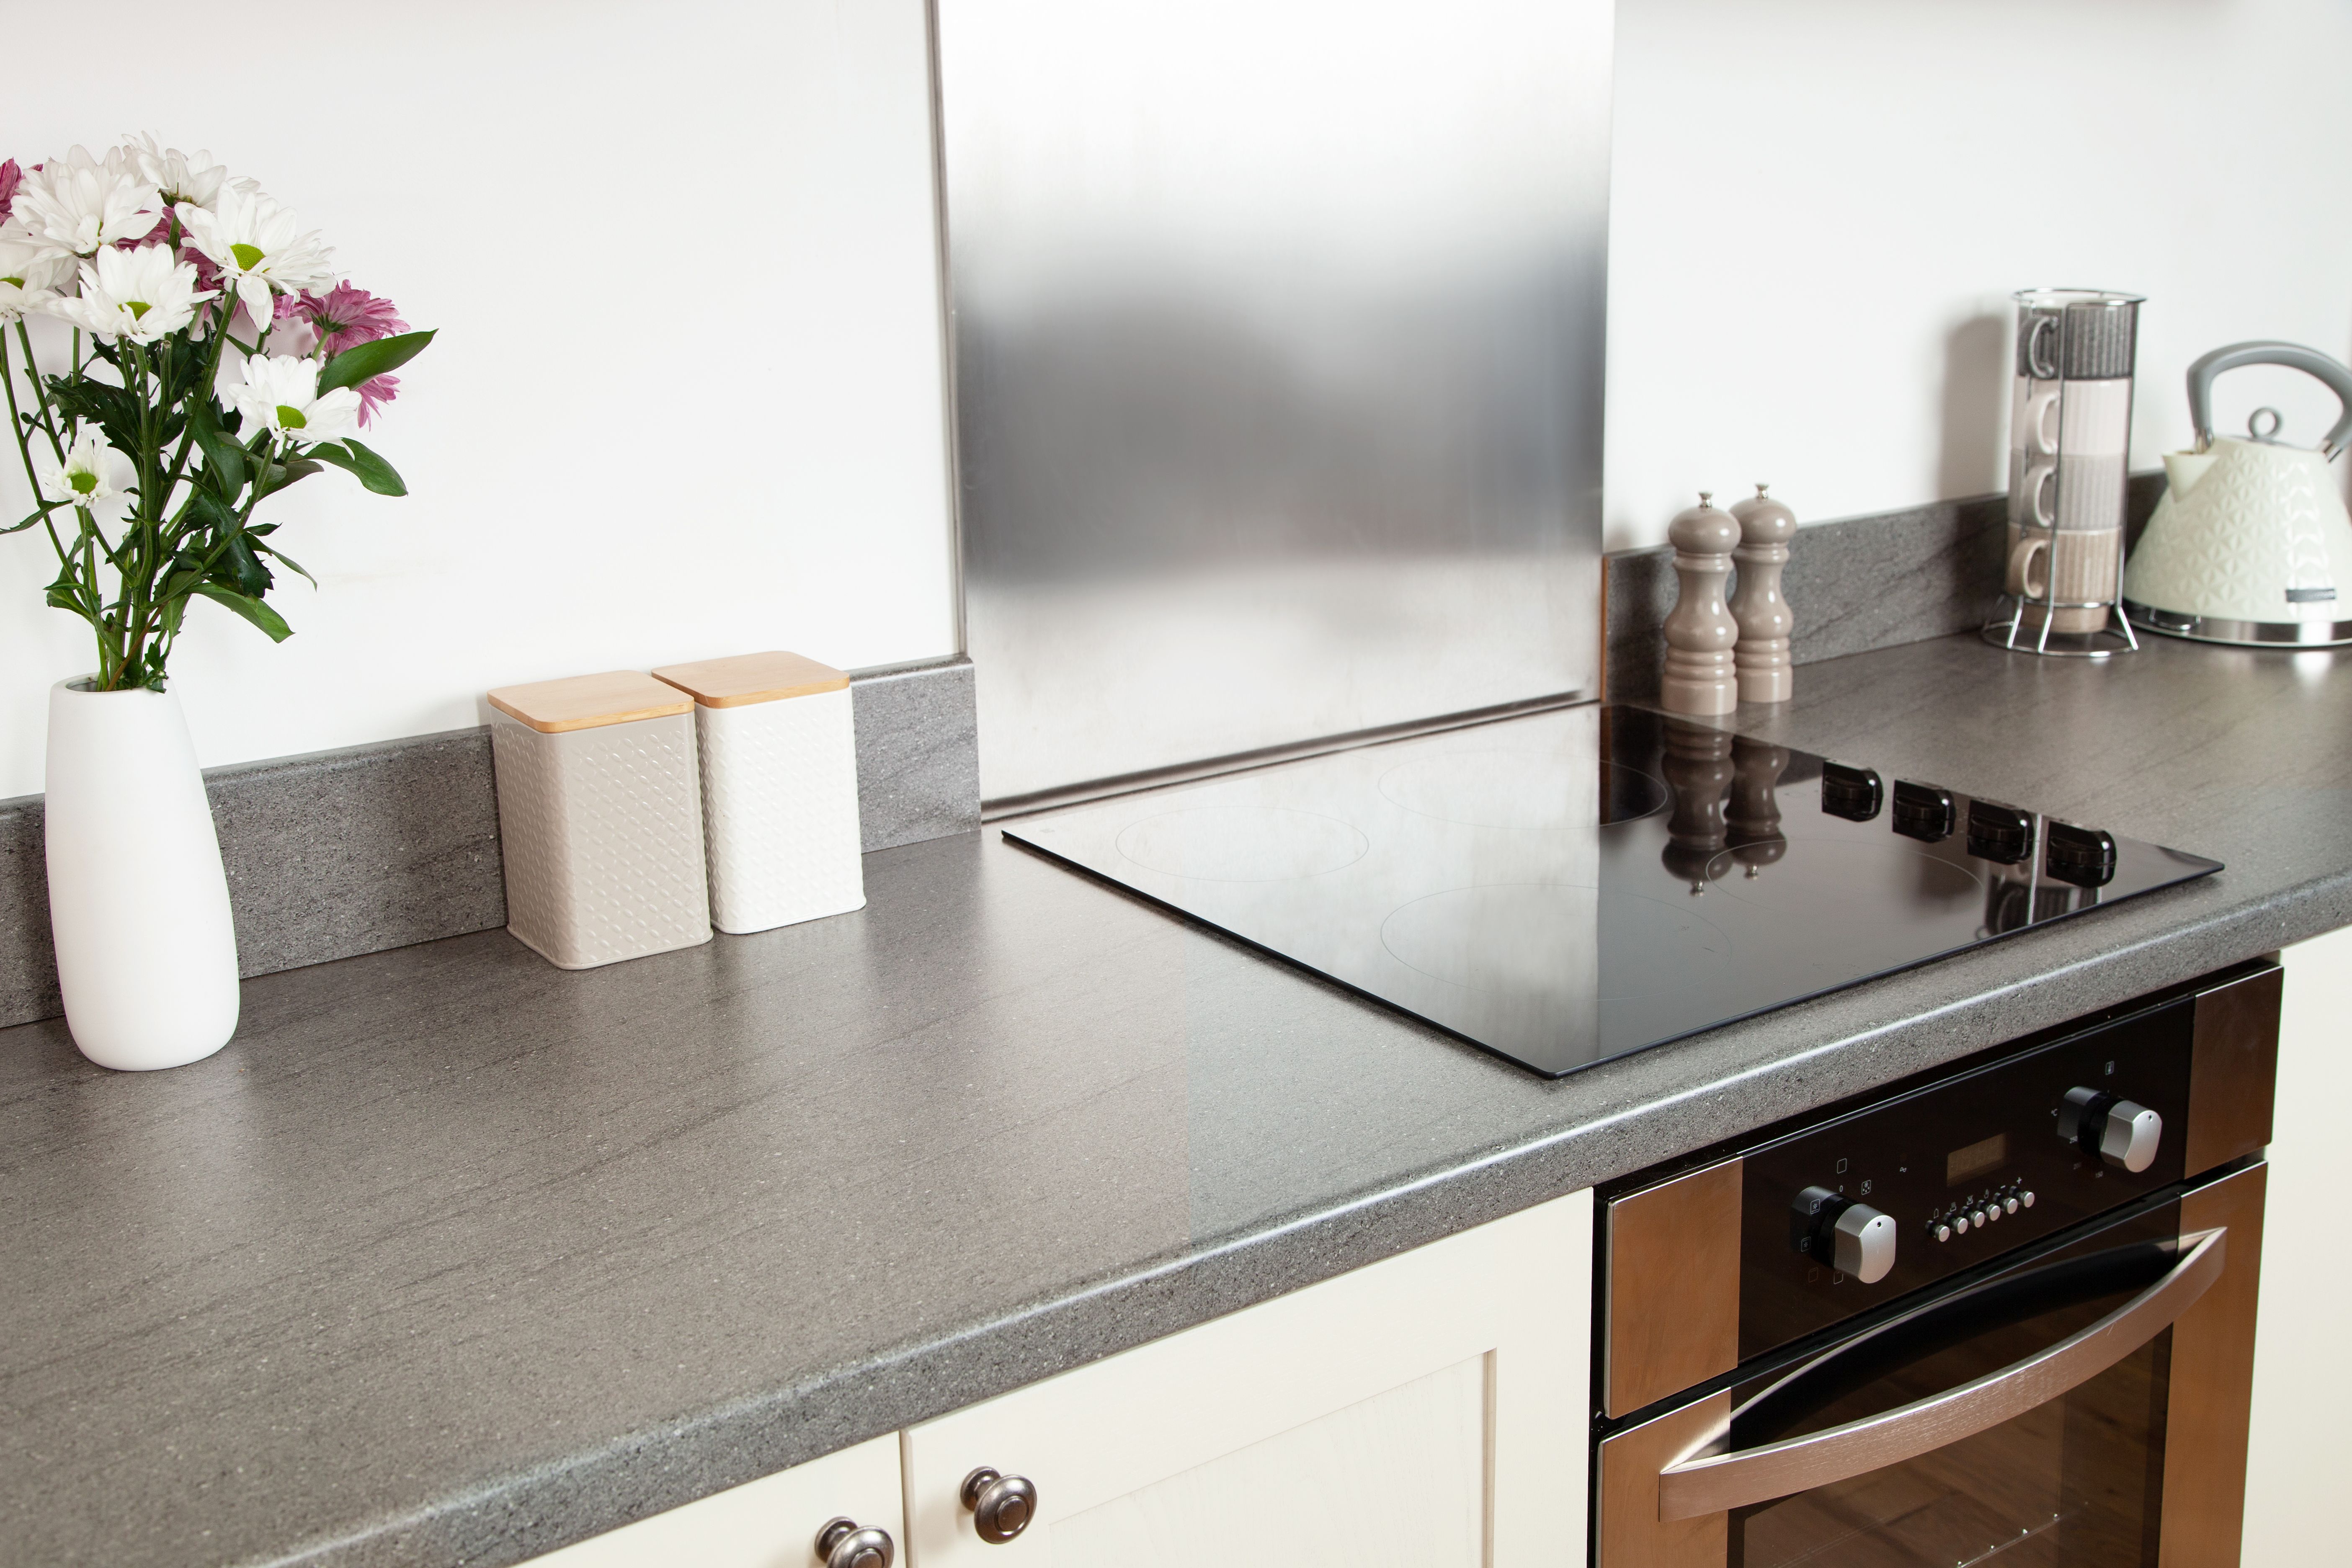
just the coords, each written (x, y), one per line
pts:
(2084, 1410)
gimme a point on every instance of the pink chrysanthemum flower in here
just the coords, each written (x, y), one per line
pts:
(10, 177)
(374, 390)
(343, 317)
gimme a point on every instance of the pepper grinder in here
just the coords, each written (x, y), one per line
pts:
(1700, 634)
(1767, 674)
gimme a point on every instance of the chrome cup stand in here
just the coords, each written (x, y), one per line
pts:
(2019, 633)
(2027, 626)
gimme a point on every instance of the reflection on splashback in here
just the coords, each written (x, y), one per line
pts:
(1279, 336)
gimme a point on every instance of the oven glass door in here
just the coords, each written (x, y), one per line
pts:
(2076, 1481)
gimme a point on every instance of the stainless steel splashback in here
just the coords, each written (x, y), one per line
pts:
(1278, 330)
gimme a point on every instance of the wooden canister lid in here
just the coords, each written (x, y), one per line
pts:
(752, 677)
(585, 701)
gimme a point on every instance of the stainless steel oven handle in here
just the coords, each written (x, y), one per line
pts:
(1717, 1483)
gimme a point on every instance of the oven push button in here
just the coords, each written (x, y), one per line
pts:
(1853, 1238)
(2123, 1135)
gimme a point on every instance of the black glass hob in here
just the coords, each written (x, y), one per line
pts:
(1568, 887)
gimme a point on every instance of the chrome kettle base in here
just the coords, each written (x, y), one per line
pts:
(2014, 634)
(2241, 634)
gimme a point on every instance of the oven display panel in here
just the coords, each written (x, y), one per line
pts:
(1980, 1158)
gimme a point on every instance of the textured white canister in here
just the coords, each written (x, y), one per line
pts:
(600, 817)
(137, 903)
(779, 788)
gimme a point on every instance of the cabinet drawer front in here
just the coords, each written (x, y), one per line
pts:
(771, 1522)
(1400, 1476)
(1456, 1373)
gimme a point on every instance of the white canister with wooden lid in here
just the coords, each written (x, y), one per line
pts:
(779, 749)
(600, 817)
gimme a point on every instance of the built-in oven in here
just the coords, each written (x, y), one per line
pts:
(2002, 1314)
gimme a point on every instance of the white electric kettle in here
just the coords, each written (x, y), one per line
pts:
(2251, 542)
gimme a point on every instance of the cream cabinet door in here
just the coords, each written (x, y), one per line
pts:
(1426, 1412)
(2303, 1371)
(771, 1522)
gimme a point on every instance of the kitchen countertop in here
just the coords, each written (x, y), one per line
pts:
(453, 1257)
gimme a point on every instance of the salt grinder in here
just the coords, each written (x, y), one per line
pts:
(1766, 671)
(1700, 634)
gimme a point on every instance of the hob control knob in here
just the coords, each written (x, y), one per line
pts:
(2123, 1135)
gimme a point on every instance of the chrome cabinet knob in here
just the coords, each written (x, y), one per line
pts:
(846, 1543)
(2123, 1135)
(1864, 1241)
(1002, 1506)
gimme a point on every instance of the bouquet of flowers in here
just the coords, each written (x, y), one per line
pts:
(215, 358)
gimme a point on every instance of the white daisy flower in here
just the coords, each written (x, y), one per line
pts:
(92, 473)
(190, 178)
(257, 246)
(28, 280)
(142, 295)
(76, 205)
(282, 394)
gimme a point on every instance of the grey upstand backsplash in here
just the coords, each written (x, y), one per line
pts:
(1855, 585)
(352, 851)
(341, 853)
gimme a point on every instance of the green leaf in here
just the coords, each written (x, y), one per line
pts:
(224, 459)
(212, 511)
(373, 472)
(183, 363)
(254, 610)
(283, 559)
(66, 594)
(364, 360)
(280, 475)
(238, 567)
(111, 408)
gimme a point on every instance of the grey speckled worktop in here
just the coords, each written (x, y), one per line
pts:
(453, 1257)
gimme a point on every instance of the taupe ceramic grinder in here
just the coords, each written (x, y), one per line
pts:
(1766, 671)
(1700, 634)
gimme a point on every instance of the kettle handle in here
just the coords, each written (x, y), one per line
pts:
(2294, 356)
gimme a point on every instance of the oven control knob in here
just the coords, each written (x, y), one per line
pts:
(2123, 1135)
(1853, 1238)
(1862, 1243)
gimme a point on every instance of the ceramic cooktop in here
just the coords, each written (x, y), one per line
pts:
(1568, 887)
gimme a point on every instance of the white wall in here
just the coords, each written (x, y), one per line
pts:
(1821, 207)
(686, 400)
(2302, 1378)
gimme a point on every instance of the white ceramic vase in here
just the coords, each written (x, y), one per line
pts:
(137, 903)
